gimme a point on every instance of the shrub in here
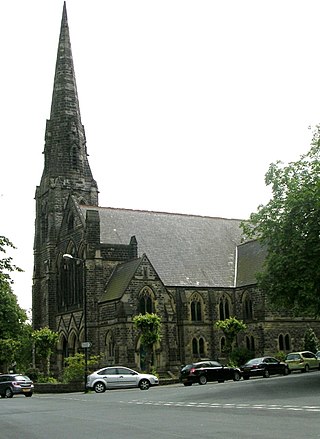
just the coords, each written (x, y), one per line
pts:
(74, 370)
(281, 356)
(240, 356)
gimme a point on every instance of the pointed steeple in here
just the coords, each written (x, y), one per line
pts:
(65, 97)
(65, 151)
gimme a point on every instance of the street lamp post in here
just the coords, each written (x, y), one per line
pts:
(85, 345)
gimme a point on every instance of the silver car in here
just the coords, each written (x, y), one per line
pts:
(114, 377)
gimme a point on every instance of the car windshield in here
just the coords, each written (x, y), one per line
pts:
(21, 378)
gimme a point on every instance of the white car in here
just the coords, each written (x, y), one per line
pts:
(114, 377)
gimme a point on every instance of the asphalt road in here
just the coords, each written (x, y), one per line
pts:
(277, 407)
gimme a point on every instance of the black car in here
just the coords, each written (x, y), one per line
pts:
(15, 384)
(264, 366)
(204, 371)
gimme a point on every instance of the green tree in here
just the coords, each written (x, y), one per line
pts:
(149, 326)
(311, 342)
(288, 226)
(45, 341)
(12, 317)
(230, 328)
(6, 264)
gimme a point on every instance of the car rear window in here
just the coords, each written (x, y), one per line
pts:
(255, 361)
(187, 367)
(308, 355)
(293, 357)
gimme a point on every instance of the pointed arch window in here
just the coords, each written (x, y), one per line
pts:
(284, 342)
(250, 343)
(247, 308)
(196, 314)
(222, 344)
(224, 308)
(70, 283)
(146, 302)
(198, 347)
(44, 223)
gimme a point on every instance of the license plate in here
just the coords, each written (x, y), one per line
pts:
(26, 390)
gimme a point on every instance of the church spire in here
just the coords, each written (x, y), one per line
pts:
(65, 151)
(65, 97)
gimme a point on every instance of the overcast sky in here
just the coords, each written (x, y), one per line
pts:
(185, 103)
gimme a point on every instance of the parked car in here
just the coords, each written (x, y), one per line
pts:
(264, 366)
(15, 384)
(318, 355)
(303, 361)
(119, 377)
(204, 371)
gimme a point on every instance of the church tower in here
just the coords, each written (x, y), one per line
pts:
(66, 172)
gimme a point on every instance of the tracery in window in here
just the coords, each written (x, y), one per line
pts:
(196, 313)
(146, 302)
(70, 288)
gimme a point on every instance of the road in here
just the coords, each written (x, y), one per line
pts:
(277, 407)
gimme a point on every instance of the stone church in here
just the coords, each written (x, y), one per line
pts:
(96, 267)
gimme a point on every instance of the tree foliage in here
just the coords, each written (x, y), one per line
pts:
(230, 327)
(289, 228)
(311, 342)
(45, 341)
(6, 264)
(149, 326)
(13, 319)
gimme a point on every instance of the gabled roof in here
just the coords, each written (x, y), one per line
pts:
(185, 250)
(120, 279)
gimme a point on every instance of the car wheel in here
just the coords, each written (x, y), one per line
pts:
(266, 374)
(286, 371)
(8, 393)
(236, 376)
(144, 384)
(202, 379)
(306, 368)
(99, 387)
(28, 395)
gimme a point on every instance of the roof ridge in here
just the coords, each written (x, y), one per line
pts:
(161, 212)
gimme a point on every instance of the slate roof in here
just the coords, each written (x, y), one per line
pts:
(120, 279)
(251, 256)
(185, 250)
